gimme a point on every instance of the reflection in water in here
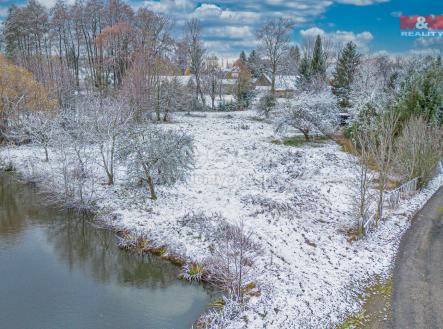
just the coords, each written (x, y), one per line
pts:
(61, 271)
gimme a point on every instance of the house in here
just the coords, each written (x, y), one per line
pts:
(212, 61)
(235, 71)
(285, 85)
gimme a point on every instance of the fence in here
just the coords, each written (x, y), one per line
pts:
(393, 199)
(369, 222)
(408, 188)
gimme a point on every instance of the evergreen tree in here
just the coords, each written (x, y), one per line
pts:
(294, 54)
(254, 64)
(243, 57)
(304, 68)
(242, 86)
(345, 70)
(422, 95)
(318, 63)
(293, 60)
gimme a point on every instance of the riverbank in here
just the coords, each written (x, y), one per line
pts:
(296, 201)
(62, 270)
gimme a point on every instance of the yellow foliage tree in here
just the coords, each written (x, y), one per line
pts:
(188, 71)
(20, 92)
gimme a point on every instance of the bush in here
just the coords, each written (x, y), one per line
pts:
(231, 106)
(233, 255)
(193, 272)
(419, 148)
(266, 104)
(155, 156)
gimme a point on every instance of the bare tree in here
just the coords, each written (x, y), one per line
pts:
(173, 97)
(274, 39)
(232, 258)
(381, 142)
(39, 127)
(364, 176)
(419, 148)
(139, 84)
(111, 120)
(153, 32)
(196, 51)
(72, 160)
(212, 82)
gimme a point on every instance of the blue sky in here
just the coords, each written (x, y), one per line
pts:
(229, 25)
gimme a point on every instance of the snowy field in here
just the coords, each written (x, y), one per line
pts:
(297, 201)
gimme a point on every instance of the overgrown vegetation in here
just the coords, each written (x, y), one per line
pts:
(398, 132)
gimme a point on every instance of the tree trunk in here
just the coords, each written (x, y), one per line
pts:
(306, 135)
(274, 71)
(110, 178)
(151, 188)
(380, 199)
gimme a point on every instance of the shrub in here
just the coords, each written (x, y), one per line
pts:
(419, 148)
(266, 104)
(193, 272)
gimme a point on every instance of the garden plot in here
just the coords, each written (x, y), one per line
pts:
(297, 201)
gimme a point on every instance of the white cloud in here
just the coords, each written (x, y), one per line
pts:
(361, 2)
(312, 32)
(208, 10)
(396, 14)
(239, 16)
(360, 39)
(233, 19)
(3, 12)
(429, 42)
(365, 36)
(50, 3)
(170, 6)
(231, 31)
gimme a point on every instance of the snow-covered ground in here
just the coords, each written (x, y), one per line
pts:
(225, 99)
(297, 201)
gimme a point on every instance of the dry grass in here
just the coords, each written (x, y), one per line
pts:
(345, 143)
(376, 310)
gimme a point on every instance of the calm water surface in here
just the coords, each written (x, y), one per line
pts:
(58, 271)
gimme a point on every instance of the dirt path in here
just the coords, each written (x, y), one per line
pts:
(417, 299)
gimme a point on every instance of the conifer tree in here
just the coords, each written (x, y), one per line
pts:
(318, 63)
(243, 57)
(304, 68)
(294, 53)
(254, 64)
(422, 95)
(345, 71)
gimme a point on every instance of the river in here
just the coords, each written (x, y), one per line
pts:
(60, 271)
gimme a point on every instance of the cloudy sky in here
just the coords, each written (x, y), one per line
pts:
(229, 25)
